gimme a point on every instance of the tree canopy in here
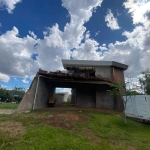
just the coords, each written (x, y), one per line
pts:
(16, 94)
(145, 81)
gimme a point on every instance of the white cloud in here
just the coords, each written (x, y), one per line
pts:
(87, 50)
(79, 14)
(0, 24)
(16, 79)
(138, 9)
(97, 33)
(4, 77)
(32, 34)
(57, 44)
(32, 77)
(63, 90)
(3, 86)
(112, 22)
(9, 4)
(25, 81)
(135, 51)
(15, 54)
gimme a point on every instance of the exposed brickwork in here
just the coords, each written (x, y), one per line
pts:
(118, 75)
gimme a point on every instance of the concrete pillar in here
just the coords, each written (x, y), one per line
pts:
(73, 96)
(85, 97)
(45, 94)
(38, 95)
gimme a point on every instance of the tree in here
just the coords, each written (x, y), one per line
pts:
(18, 93)
(8, 95)
(119, 89)
(145, 81)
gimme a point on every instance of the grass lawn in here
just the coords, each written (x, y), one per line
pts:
(66, 129)
(8, 106)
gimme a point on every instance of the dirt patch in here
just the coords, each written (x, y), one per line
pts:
(88, 133)
(65, 120)
(116, 144)
(7, 111)
(12, 128)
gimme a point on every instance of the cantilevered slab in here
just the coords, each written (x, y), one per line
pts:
(89, 63)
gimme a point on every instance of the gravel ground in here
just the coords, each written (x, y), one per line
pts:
(7, 111)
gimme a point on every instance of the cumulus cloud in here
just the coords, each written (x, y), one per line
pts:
(25, 81)
(87, 50)
(135, 51)
(62, 90)
(57, 44)
(4, 77)
(79, 14)
(112, 22)
(9, 4)
(15, 54)
(138, 9)
(97, 33)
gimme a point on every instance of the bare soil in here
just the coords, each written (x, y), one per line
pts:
(67, 116)
(12, 128)
(65, 120)
(7, 111)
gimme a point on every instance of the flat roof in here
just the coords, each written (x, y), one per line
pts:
(90, 63)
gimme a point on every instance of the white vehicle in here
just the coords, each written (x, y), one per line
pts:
(138, 106)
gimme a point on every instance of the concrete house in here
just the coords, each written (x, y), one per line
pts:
(89, 81)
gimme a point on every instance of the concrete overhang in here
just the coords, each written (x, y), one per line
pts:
(89, 63)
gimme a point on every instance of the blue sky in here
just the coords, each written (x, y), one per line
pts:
(38, 34)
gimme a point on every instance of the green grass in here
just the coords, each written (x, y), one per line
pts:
(96, 131)
(8, 106)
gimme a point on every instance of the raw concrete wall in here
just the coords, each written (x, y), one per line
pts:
(61, 97)
(44, 93)
(73, 97)
(105, 100)
(104, 72)
(85, 98)
(27, 101)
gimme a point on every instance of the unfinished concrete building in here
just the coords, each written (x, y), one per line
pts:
(89, 81)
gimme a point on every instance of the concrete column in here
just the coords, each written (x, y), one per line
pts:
(38, 95)
(85, 97)
(73, 97)
(45, 93)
